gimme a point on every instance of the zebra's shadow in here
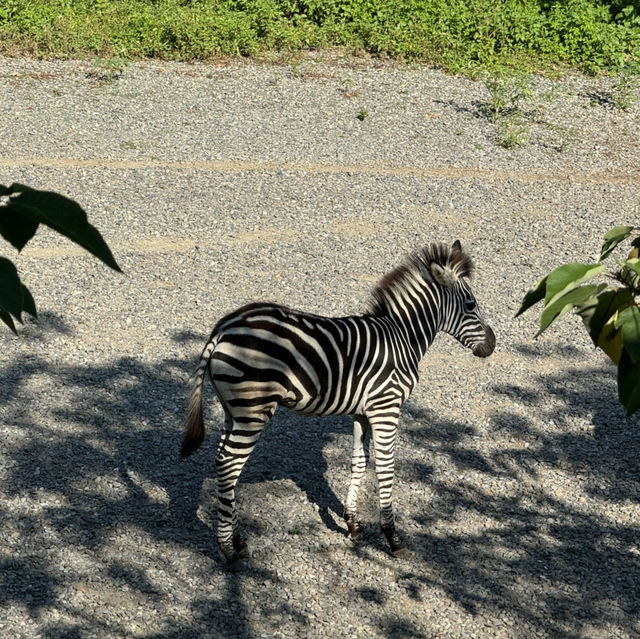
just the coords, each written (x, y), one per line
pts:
(294, 447)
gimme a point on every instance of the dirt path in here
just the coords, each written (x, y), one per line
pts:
(449, 173)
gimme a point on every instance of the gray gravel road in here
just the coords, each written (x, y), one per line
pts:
(518, 476)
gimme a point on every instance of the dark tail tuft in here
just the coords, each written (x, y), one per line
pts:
(190, 444)
(194, 431)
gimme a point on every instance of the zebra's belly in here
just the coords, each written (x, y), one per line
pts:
(323, 404)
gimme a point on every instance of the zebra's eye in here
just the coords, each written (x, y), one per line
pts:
(470, 306)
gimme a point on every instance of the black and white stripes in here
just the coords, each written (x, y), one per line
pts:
(265, 355)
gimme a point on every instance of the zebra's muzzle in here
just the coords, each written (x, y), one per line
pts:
(484, 349)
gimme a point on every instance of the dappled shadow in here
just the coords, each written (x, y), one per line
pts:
(606, 455)
(476, 110)
(103, 467)
(292, 448)
(119, 425)
(507, 531)
(524, 530)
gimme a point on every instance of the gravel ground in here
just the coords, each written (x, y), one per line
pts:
(518, 480)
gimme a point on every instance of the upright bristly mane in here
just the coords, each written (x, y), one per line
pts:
(418, 265)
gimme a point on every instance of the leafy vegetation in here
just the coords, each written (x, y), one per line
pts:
(22, 210)
(610, 312)
(460, 35)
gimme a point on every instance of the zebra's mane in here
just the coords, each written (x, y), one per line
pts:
(418, 265)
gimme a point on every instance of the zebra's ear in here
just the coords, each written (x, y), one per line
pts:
(456, 246)
(443, 275)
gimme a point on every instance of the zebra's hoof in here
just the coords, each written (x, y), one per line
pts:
(240, 547)
(234, 551)
(398, 549)
(356, 533)
(236, 564)
(235, 560)
(357, 537)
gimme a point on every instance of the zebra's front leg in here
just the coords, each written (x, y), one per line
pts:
(361, 431)
(384, 430)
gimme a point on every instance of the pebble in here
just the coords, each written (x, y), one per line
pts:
(217, 185)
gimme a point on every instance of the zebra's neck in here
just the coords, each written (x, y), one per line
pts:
(415, 311)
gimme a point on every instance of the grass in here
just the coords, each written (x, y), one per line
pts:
(507, 96)
(462, 36)
(506, 93)
(109, 70)
(624, 92)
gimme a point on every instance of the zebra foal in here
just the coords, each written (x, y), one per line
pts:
(265, 355)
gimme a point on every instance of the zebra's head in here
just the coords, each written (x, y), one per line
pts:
(430, 292)
(461, 316)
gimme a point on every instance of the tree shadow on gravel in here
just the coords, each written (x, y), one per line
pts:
(105, 469)
(100, 515)
(98, 471)
(291, 448)
(556, 549)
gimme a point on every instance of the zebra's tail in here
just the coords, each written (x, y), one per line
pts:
(194, 431)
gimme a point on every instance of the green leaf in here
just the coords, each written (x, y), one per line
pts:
(564, 303)
(533, 296)
(629, 273)
(596, 313)
(633, 264)
(6, 318)
(629, 321)
(17, 226)
(28, 303)
(64, 216)
(10, 288)
(569, 276)
(629, 383)
(613, 238)
(610, 341)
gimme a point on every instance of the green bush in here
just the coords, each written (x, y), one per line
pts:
(461, 35)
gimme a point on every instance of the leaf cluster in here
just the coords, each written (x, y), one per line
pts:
(22, 210)
(610, 312)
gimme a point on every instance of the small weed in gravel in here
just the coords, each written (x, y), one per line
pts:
(513, 133)
(624, 93)
(349, 89)
(108, 70)
(507, 94)
(565, 136)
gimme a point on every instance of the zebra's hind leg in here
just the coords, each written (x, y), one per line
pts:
(234, 450)
(361, 432)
